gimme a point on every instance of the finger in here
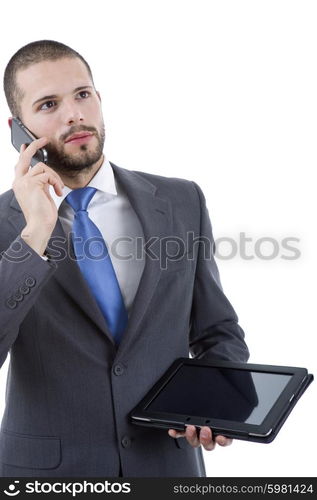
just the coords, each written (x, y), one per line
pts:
(176, 434)
(34, 146)
(191, 436)
(26, 154)
(40, 168)
(223, 441)
(206, 438)
(48, 178)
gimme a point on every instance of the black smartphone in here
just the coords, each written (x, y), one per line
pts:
(21, 135)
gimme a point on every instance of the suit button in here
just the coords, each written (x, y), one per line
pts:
(30, 281)
(11, 303)
(24, 289)
(118, 369)
(126, 442)
(18, 296)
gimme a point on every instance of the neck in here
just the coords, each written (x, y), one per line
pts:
(82, 179)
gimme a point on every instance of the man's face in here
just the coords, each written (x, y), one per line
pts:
(59, 100)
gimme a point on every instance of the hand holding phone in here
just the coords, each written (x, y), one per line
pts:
(20, 134)
(31, 189)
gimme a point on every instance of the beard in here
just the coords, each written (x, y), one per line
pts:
(71, 164)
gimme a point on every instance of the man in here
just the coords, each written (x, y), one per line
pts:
(90, 332)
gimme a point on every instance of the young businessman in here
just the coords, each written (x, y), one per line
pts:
(90, 332)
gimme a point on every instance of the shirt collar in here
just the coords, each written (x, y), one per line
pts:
(103, 180)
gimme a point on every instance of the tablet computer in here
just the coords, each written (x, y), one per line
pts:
(237, 400)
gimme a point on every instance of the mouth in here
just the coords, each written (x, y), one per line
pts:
(78, 138)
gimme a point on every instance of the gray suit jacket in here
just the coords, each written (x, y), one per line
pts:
(69, 389)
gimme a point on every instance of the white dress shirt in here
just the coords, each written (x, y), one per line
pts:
(111, 211)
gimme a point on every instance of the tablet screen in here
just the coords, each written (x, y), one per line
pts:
(220, 393)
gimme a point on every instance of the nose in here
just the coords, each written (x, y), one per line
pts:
(72, 113)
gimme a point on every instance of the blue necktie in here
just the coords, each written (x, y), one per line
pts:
(95, 264)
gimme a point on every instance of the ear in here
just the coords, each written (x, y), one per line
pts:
(10, 121)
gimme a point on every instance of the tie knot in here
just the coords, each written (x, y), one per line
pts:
(79, 198)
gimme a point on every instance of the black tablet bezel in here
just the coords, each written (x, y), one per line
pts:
(140, 415)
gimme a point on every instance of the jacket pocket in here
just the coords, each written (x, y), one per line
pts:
(183, 263)
(35, 452)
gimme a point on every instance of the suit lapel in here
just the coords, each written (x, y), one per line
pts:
(67, 273)
(155, 217)
(71, 279)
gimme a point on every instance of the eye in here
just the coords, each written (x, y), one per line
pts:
(83, 94)
(47, 105)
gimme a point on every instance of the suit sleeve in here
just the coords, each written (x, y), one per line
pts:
(22, 275)
(214, 330)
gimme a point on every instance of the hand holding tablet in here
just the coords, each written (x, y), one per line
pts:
(203, 436)
(235, 400)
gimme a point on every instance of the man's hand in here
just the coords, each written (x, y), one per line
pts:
(31, 189)
(205, 437)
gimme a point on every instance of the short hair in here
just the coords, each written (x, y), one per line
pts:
(32, 53)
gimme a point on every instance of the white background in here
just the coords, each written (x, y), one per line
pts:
(222, 93)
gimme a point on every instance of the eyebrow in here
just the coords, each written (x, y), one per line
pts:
(54, 96)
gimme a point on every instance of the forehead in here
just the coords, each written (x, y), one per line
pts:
(52, 77)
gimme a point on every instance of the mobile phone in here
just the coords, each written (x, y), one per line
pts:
(22, 135)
